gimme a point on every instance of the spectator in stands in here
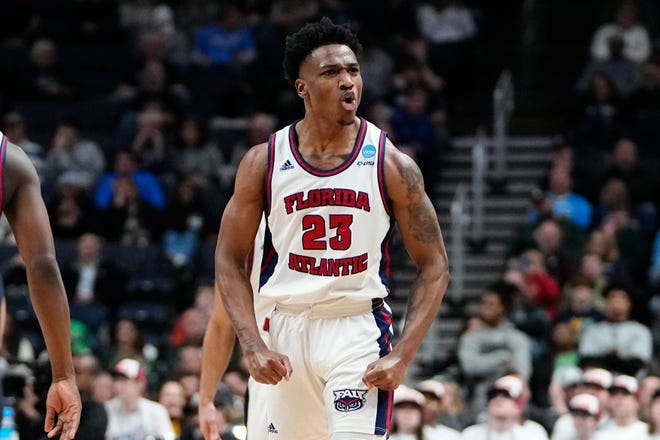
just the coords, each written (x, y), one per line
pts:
(196, 156)
(563, 386)
(618, 343)
(647, 388)
(624, 406)
(102, 387)
(592, 270)
(581, 310)
(173, 398)
(187, 223)
(91, 278)
(531, 319)
(595, 382)
(507, 399)
(15, 128)
(635, 38)
(645, 107)
(152, 47)
(412, 72)
(129, 414)
(566, 203)
(638, 176)
(585, 411)
(71, 154)
(44, 77)
(616, 219)
(450, 29)
(564, 346)
(572, 236)
(15, 346)
(94, 419)
(494, 347)
(624, 73)
(540, 287)
(600, 120)
(148, 115)
(415, 130)
(433, 392)
(605, 246)
(408, 415)
(548, 240)
(228, 42)
(130, 200)
(29, 417)
(70, 209)
(126, 341)
(126, 165)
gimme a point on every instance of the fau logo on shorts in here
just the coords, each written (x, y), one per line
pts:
(349, 400)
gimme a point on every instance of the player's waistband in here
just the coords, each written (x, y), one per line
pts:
(335, 308)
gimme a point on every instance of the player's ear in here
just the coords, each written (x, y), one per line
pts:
(301, 87)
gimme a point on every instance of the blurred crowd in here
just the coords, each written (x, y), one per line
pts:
(565, 343)
(136, 113)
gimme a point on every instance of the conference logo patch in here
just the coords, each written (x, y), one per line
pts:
(368, 151)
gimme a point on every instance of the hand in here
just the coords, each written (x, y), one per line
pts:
(268, 366)
(208, 421)
(387, 373)
(64, 401)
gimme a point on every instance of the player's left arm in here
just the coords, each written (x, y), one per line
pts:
(422, 237)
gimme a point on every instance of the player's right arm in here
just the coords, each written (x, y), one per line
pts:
(216, 352)
(28, 218)
(238, 228)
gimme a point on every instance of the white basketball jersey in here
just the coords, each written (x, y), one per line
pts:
(329, 229)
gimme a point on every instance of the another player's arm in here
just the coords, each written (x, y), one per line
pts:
(28, 218)
(422, 238)
(238, 228)
(218, 345)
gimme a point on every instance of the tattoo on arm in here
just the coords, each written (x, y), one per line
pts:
(423, 223)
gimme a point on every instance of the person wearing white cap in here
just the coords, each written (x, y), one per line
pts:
(624, 405)
(407, 414)
(596, 382)
(434, 392)
(131, 416)
(585, 411)
(506, 403)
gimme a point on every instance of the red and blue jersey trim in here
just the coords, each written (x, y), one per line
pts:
(3, 156)
(293, 143)
(383, 319)
(269, 173)
(381, 172)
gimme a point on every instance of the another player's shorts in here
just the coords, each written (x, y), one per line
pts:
(257, 411)
(329, 346)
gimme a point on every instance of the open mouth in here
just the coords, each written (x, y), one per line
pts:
(349, 102)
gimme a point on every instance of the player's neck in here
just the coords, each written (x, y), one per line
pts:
(320, 135)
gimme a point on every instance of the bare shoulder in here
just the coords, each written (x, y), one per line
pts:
(251, 174)
(402, 175)
(18, 171)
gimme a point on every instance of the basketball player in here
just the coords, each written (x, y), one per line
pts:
(217, 349)
(332, 187)
(24, 207)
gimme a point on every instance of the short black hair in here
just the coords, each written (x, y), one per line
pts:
(505, 291)
(311, 36)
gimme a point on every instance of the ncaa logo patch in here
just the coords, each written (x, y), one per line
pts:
(368, 151)
(348, 400)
